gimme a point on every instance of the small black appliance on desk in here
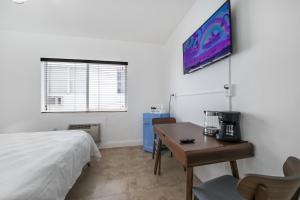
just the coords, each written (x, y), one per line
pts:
(229, 126)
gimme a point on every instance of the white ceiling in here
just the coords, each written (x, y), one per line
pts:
(150, 21)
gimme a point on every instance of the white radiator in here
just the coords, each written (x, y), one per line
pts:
(92, 129)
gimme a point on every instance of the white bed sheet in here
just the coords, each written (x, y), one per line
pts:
(43, 165)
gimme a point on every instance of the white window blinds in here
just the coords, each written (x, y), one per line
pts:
(83, 85)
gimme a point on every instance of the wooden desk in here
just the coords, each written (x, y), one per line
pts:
(205, 150)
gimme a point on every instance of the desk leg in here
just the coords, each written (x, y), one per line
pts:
(157, 158)
(159, 164)
(189, 183)
(234, 169)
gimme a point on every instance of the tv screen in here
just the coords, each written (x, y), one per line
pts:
(210, 43)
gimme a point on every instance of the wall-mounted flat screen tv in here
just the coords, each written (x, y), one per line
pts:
(210, 43)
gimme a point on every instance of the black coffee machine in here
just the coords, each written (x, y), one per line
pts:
(229, 126)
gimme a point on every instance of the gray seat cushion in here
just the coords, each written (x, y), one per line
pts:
(222, 188)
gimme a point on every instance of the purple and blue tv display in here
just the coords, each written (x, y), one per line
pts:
(210, 43)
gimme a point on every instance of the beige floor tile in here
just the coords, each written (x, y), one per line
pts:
(127, 174)
(123, 196)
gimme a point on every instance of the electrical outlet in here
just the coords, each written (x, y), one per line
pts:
(228, 90)
(174, 95)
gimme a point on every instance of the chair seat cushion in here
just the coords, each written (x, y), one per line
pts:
(222, 188)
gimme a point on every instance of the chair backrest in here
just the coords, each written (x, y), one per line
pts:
(292, 168)
(259, 187)
(163, 120)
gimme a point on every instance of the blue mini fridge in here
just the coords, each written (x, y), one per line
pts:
(148, 135)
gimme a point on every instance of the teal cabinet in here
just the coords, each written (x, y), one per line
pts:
(148, 133)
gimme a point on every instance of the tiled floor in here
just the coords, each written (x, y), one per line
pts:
(127, 174)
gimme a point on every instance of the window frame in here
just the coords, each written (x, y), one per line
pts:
(44, 85)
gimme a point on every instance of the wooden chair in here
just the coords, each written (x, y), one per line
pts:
(253, 186)
(159, 147)
(291, 168)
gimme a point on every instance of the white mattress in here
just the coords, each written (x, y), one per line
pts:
(43, 165)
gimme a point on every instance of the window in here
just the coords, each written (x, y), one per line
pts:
(83, 85)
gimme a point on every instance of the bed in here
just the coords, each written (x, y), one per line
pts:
(43, 165)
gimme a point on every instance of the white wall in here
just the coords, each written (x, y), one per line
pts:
(265, 69)
(20, 55)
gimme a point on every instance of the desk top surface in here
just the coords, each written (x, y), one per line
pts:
(177, 131)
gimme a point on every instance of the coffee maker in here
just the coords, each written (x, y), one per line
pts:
(229, 126)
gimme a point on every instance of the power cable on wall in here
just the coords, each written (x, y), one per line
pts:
(171, 95)
(230, 83)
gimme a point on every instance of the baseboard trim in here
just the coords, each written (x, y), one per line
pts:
(123, 143)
